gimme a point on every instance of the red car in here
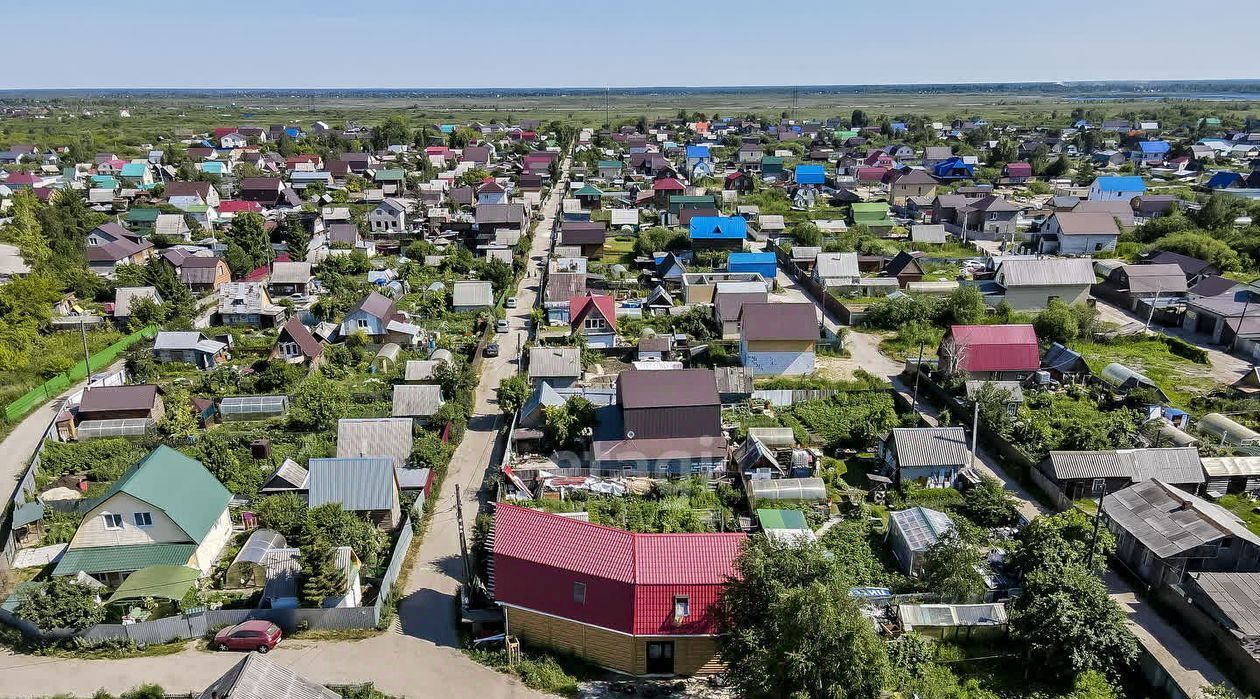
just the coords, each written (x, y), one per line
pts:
(257, 635)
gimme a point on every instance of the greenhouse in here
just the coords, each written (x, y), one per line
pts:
(253, 407)
(811, 489)
(248, 568)
(122, 427)
(913, 532)
(1229, 431)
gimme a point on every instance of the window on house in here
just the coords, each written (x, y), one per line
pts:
(682, 606)
(289, 349)
(579, 592)
(361, 323)
(143, 519)
(992, 217)
(594, 324)
(1098, 486)
(112, 521)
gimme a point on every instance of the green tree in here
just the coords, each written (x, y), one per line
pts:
(1092, 684)
(1056, 323)
(320, 576)
(24, 231)
(951, 567)
(457, 380)
(284, 513)
(61, 603)
(392, 131)
(513, 392)
(563, 424)
(965, 305)
(247, 235)
(346, 528)
(806, 233)
(989, 504)
(178, 421)
(318, 404)
(1219, 212)
(1052, 543)
(219, 455)
(1203, 246)
(786, 617)
(1071, 624)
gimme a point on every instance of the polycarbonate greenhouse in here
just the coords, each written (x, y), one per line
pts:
(811, 489)
(248, 569)
(123, 427)
(253, 407)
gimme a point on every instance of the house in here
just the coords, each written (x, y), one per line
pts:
(699, 161)
(103, 407)
(1150, 152)
(172, 227)
(492, 193)
(110, 245)
(778, 339)
(993, 352)
(166, 510)
(718, 232)
(934, 155)
(903, 184)
(126, 296)
(1163, 533)
(954, 168)
(594, 317)
(636, 603)
(376, 436)
(182, 194)
(257, 677)
(1150, 206)
(930, 456)
(1017, 173)
(1194, 268)
(1030, 284)
(491, 217)
(1064, 364)
(932, 234)
(1076, 233)
(990, 217)
(248, 304)
(809, 175)
(836, 269)
(665, 423)
(589, 236)
(729, 298)
(470, 296)
(912, 532)
(1089, 474)
(389, 216)
(740, 182)
(1140, 287)
(560, 367)
(873, 215)
(1123, 187)
(202, 273)
(290, 279)
(1228, 475)
(296, 345)
(372, 315)
(417, 401)
(364, 485)
(189, 347)
(1219, 609)
(763, 263)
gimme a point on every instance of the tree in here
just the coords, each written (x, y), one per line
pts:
(1056, 323)
(563, 424)
(951, 568)
(346, 528)
(965, 305)
(247, 235)
(498, 273)
(1092, 684)
(1219, 212)
(25, 232)
(218, 454)
(806, 233)
(989, 504)
(279, 377)
(61, 603)
(284, 513)
(318, 403)
(392, 131)
(1053, 542)
(1057, 167)
(145, 311)
(786, 617)
(457, 380)
(320, 576)
(513, 392)
(178, 422)
(1203, 246)
(1071, 624)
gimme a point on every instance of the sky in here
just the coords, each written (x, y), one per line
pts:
(597, 43)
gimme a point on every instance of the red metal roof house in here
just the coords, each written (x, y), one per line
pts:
(996, 352)
(637, 603)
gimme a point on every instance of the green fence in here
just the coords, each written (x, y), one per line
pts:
(78, 372)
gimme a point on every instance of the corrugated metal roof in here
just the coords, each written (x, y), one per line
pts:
(836, 265)
(778, 321)
(359, 484)
(930, 446)
(1050, 271)
(258, 677)
(671, 388)
(949, 615)
(993, 347)
(1237, 595)
(555, 362)
(114, 559)
(1172, 465)
(421, 400)
(419, 369)
(1169, 521)
(382, 436)
(1223, 466)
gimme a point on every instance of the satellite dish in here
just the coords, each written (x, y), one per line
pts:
(630, 434)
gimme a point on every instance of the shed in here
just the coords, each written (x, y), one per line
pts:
(1227, 475)
(247, 569)
(1229, 431)
(951, 621)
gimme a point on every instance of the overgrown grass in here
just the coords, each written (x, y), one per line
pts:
(1179, 378)
(1244, 508)
(554, 673)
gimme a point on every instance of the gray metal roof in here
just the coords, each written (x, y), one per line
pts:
(1222, 466)
(416, 400)
(555, 362)
(258, 677)
(290, 272)
(930, 446)
(1171, 465)
(834, 265)
(187, 340)
(919, 526)
(376, 436)
(419, 369)
(947, 615)
(1169, 521)
(1237, 595)
(290, 476)
(359, 484)
(472, 293)
(1049, 271)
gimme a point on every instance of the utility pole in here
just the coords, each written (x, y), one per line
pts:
(918, 369)
(1089, 557)
(975, 423)
(463, 541)
(87, 358)
(607, 123)
(1155, 303)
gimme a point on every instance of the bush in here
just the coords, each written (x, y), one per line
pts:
(102, 460)
(1184, 349)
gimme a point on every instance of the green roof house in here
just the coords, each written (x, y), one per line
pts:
(392, 175)
(872, 214)
(771, 166)
(142, 217)
(166, 510)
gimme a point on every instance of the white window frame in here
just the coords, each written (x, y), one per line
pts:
(594, 324)
(682, 606)
(361, 323)
(290, 349)
(142, 519)
(113, 522)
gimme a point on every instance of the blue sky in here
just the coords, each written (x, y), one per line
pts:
(596, 43)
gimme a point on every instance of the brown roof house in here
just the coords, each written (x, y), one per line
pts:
(1077, 233)
(903, 184)
(204, 273)
(111, 411)
(296, 345)
(587, 235)
(778, 339)
(665, 423)
(264, 190)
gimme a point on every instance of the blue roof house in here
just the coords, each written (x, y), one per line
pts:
(1150, 152)
(1123, 188)
(953, 169)
(699, 161)
(810, 174)
(1225, 180)
(718, 232)
(762, 263)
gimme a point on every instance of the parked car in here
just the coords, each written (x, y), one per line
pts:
(256, 634)
(501, 326)
(511, 302)
(492, 350)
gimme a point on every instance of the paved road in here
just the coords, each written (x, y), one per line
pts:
(420, 657)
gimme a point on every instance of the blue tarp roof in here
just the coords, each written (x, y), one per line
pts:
(697, 151)
(750, 258)
(810, 174)
(446, 128)
(1223, 179)
(1121, 184)
(718, 228)
(1154, 146)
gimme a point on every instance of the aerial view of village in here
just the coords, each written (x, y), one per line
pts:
(891, 378)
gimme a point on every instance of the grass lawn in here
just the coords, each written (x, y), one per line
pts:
(902, 345)
(618, 249)
(1179, 378)
(1244, 508)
